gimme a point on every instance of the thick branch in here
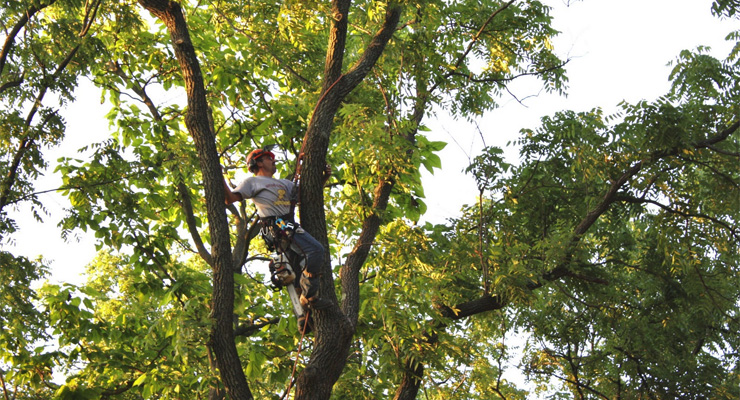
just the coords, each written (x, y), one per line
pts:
(333, 329)
(612, 195)
(480, 305)
(413, 372)
(187, 208)
(182, 189)
(337, 41)
(412, 375)
(349, 274)
(245, 232)
(10, 84)
(372, 52)
(250, 329)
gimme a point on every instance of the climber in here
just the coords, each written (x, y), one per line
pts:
(275, 200)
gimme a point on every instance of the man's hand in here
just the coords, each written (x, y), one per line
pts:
(229, 196)
(327, 173)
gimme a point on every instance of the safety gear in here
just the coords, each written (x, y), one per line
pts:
(255, 155)
(315, 303)
(277, 232)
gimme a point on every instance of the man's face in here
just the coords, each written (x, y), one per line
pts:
(267, 165)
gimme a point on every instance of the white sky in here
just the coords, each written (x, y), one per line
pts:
(619, 51)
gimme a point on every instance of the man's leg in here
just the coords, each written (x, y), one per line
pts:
(313, 253)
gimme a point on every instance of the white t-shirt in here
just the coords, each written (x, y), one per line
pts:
(271, 196)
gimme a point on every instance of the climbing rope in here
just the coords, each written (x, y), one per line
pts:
(298, 353)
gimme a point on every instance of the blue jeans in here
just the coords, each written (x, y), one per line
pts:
(309, 249)
(312, 253)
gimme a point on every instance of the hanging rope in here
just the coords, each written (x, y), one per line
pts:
(298, 353)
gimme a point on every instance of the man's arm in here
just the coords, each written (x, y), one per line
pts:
(231, 197)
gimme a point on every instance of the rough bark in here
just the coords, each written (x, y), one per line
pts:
(196, 120)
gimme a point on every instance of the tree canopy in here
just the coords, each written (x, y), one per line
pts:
(610, 250)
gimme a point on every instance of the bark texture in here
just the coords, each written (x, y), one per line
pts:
(197, 122)
(334, 327)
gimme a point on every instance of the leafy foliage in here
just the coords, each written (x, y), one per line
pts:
(611, 247)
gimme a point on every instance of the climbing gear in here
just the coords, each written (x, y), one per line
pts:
(280, 262)
(305, 324)
(278, 232)
(255, 155)
(281, 273)
(314, 303)
(310, 292)
(304, 328)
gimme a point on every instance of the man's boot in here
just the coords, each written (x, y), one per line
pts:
(310, 292)
(304, 325)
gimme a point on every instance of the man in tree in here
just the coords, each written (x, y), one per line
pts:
(274, 199)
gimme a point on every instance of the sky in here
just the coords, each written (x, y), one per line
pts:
(619, 50)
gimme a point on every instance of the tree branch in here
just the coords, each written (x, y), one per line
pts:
(611, 196)
(11, 84)
(509, 79)
(187, 208)
(372, 52)
(412, 376)
(493, 15)
(250, 329)
(182, 189)
(734, 231)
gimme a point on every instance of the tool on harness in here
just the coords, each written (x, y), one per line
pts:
(285, 272)
(277, 232)
(285, 226)
(281, 273)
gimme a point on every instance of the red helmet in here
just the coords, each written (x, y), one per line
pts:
(255, 155)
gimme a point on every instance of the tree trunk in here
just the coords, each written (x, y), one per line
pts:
(196, 120)
(333, 328)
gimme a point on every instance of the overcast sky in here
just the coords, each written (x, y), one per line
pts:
(618, 50)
